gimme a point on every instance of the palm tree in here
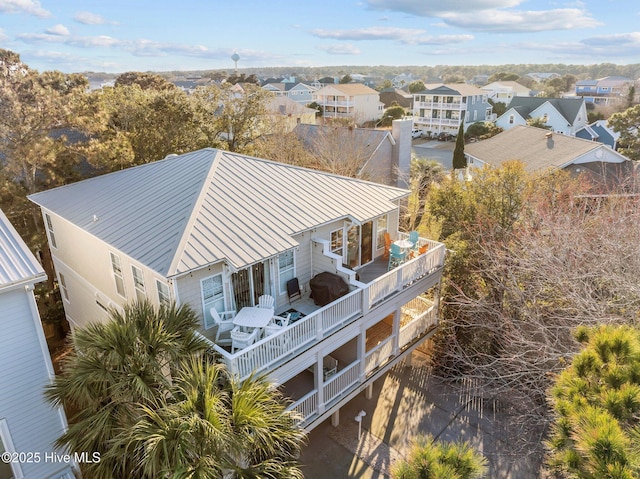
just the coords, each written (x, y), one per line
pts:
(216, 426)
(440, 460)
(114, 368)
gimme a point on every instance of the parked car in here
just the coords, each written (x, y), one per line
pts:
(416, 134)
(444, 136)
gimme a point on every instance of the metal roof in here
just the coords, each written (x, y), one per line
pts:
(189, 211)
(17, 263)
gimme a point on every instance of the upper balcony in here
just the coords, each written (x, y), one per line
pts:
(370, 287)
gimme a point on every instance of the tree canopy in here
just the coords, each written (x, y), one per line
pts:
(627, 123)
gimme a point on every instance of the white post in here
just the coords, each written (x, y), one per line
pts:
(358, 419)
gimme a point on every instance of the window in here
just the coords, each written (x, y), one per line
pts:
(286, 269)
(212, 297)
(8, 470)
(475, 115)
(163, 293)
(381, 228)
(511, 119)
(473, 100)
(138, 282)
(52, 236)
(116, 267)
(63, 288)
(545, 117)
(336, 242)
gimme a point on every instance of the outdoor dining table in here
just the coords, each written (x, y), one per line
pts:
(404, 244)
(253, 317)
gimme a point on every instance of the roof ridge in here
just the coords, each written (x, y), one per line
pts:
(188, 227)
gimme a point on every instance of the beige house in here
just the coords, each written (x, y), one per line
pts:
(217, 230)
(287, 113)
(351, 100)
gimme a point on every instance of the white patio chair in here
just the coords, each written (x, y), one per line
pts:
(241, 340)
(277, 323)
(266, 301)
(224, 321)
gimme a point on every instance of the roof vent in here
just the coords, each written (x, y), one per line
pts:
(548, 135)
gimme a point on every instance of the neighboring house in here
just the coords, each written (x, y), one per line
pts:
(504, 91)
(287, 113)
(351, 100)
(216, 230)
(402, 80)
(562, 115)
(301, 93)
(389, 96)
(28, 424)
(384, 155)
(442, 108)
(541, 150)
(611, 90)
(542, 77)
(599, 131)
(479, 80)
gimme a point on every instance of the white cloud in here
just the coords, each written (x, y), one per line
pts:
(371, 33)
(340, 49)
(521, 21)
(441, 39)
(29, 7)
(623, 40)
(434, 8)
(89, 18)
(58, 29)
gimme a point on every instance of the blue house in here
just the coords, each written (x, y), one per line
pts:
(601, 132)
(604, 91)
(28, 424)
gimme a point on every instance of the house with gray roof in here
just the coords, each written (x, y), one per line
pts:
(28, 424)
(217, 230)
(610, 90)
(562, 115)
(383, 156)
(541, 150)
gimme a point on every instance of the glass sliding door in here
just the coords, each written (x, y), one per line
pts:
(366, 243)
(251, 283)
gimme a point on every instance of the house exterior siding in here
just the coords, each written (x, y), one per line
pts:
(27, 421)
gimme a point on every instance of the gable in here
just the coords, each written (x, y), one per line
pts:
(17, 263)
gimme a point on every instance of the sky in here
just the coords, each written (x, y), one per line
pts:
(116, 36)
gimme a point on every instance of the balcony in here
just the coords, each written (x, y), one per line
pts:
(428, 121)
(275, 350)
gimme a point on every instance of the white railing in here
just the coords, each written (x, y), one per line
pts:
(341, 382)
(379, 355)
(293, 339)
(417, 327)
(440, 105)
(277, 348)
(306, 406)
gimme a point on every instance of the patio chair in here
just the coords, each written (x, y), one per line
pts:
(293, 289)
(277, 323)
(241, 340)
(396, 256)
(266, 301)
(387, 245)
(224, 321)
(414, 237)
(329, 367)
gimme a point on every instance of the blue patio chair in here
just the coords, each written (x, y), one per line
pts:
(414, 237)
(396, 256)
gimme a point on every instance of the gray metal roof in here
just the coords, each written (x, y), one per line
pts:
(17, 263)
(186, 212)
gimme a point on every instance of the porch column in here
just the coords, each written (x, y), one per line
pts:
(368, 393)
(319, 383)
(335, 418)
(362, 350)
(395, 331)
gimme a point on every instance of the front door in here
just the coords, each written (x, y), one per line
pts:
(360, 244)
(366, 243)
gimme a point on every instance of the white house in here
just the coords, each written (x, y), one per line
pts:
(504, 91)
(441, 108)
(350, 100)
(562, 115)
(28, 424)
(217, 230)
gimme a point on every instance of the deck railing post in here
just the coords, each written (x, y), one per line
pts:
(319, 328)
